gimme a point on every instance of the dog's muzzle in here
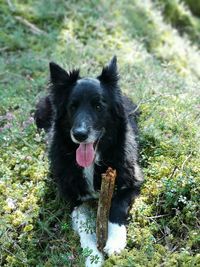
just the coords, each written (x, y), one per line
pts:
(86, 151)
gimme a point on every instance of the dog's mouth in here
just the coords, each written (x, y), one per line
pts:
(85, 153)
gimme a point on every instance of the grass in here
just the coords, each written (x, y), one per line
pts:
(180, 16)
(159, 70)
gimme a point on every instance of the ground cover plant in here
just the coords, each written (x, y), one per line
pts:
(159, 63)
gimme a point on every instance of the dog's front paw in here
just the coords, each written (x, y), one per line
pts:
(116, 239)
(114, 248)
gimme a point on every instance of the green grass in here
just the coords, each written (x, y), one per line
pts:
(160, 70)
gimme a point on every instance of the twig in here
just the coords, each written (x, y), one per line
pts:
(2, 49)
(10, 4)
(34, 29)
(173, 172)
(107, 188)
(173, 249)
(158, 216)
(184, 162)
(137, 107)
(14, 255)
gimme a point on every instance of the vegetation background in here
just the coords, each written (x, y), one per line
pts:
(157, 44)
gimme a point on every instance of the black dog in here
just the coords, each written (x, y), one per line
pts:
(92, 129)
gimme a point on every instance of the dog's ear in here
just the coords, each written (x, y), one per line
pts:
(61, 83)
(109, 74)
(59, 76)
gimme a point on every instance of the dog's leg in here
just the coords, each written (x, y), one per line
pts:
(84, 224)
(117, 220)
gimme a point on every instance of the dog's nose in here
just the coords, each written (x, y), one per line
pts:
(80, 134)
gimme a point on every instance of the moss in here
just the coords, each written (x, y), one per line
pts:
(159, 69)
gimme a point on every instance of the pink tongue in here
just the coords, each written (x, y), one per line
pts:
(85, 154)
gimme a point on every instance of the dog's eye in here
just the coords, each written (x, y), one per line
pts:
(98, 107)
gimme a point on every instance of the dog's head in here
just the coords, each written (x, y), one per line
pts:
(85, 105)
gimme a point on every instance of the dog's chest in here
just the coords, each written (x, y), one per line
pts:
(88, 174)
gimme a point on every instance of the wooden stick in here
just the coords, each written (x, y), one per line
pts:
(107, 188)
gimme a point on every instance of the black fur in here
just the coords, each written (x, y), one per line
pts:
(98, 102)
(43, 114)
